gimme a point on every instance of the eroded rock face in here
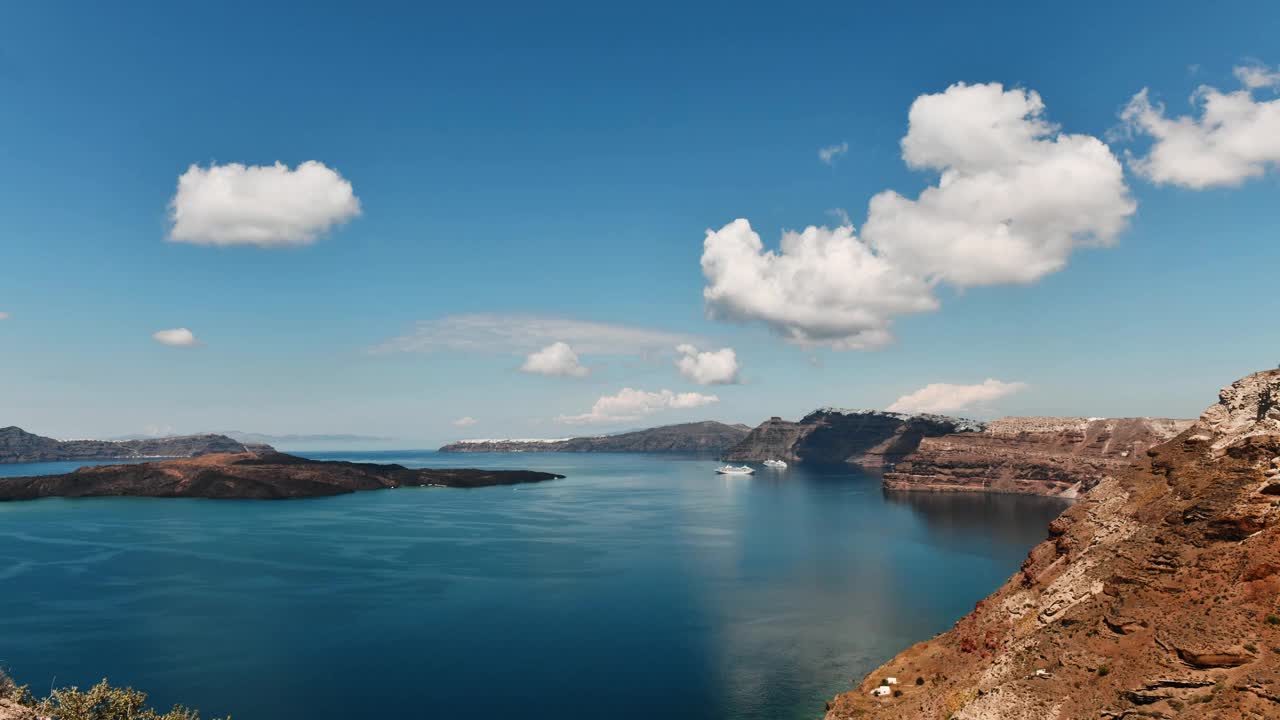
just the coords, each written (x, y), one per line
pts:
(251, 476)
(870, 438)
(1137, 605)
(1031, 455)
(11, 710)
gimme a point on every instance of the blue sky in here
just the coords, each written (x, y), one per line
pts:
(565, 161)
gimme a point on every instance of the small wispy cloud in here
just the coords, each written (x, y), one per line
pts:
(829, 153)
(517, 333)
(948, 398)
(467, 421)
(4, 316)
(1256, 76)
(177, 337)
(630, 404)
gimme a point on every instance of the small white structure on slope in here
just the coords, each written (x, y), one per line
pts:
(882, 691)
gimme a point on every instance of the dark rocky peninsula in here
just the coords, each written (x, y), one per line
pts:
(266, 475)
(871, 438)
(19, 446)
(1153, 597)
(699, 437)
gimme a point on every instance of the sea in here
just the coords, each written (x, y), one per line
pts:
(640, 586)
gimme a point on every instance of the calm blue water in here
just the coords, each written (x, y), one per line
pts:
(639, 587)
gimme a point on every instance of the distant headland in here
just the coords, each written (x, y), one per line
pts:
(696, 437)
(19, 446)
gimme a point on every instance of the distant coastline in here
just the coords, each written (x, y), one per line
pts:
(19, 446)
(708, 437)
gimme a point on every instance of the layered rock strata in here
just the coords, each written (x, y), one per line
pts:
(1033, 455)
(1153, 597)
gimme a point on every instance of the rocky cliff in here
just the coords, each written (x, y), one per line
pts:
(699, 437)
(267, 475)
(867, 437)
(1035, 455)
(1153, 597)
(20, 446)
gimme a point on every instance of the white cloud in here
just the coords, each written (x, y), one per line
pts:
(1014, 198)
(178, 337)
(829, 153)
(556, 359)
(4, 316)
(948, 398)
(1257, 76)
(630, 404)
(487, 332)
(1235, 137)
(719, 367)
(263, 205)
(824, 287)
(467, 421)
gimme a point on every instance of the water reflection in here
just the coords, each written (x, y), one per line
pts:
(989, 517)
(647, 585)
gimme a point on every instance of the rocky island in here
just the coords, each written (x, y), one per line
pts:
(20, 446)
(1153, 597)
(264, 475)
(697, 437)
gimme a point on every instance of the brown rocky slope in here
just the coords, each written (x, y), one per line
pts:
(1154, 597)
(254, 476)
(1030, 455)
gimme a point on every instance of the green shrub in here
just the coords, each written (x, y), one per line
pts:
(1273, 619)
(1103, 671)
(103, 702)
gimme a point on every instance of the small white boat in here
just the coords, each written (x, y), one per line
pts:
(732, 470)
(775, 463)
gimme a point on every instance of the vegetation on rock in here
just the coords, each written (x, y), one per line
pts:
(100, 702)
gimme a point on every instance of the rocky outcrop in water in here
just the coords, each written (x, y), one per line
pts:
(1034, 455)
(253, 476)
(1153, 597)
(20, 446)
(870, 438)
(698, 437)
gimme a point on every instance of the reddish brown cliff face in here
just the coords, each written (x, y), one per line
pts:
(1156, 596)
(1034, 455)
